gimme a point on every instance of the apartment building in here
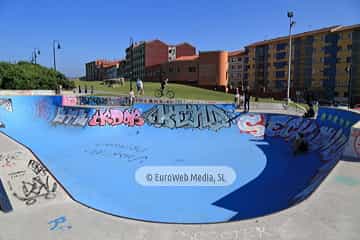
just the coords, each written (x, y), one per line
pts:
(151, 53)
(319, 60)
(103, 69)
(207, 70)
(236, 68)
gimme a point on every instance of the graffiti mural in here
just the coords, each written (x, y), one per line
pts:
(115, 117)
(253, 124)
(77, 117)
(7, 104)
(103, 101)
(43, 109)
(188, 116)
(38, 187)
(328, 141)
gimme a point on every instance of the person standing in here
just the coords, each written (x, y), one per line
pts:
(237, 99)
(131, 96)
(86, 90)
(139, 87)
(79, 89)
(247, 99)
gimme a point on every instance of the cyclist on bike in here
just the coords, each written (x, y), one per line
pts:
(163, 85)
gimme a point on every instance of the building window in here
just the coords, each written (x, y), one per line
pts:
(279, 65)
(350, 35)
(348, 59)
(192, 69)
(170, 69)
(280, 84)
(280, 74)
(178, 69)
(280, 55)
(239, 59)
(349, 47)
(281, 46)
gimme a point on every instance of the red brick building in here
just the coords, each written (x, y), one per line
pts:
(208, 70)
(151, 53)
(102, 69)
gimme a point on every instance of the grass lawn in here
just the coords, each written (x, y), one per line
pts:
(181, 91)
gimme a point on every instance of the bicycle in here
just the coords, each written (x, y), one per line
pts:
(167, 92)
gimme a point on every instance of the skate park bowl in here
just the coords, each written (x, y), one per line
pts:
(170, 162)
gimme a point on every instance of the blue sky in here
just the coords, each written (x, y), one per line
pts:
(91, 29)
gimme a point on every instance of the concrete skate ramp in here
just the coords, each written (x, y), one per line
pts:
(175, 163)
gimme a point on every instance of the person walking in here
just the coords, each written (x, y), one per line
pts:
(86, 90)
(79, 89)
(247, 99)
(139, 87)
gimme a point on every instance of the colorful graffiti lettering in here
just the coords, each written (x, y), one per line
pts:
(253, 124)
(71, 116)
(115, 117)
(188, 116)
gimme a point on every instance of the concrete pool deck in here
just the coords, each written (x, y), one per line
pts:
(331, 212)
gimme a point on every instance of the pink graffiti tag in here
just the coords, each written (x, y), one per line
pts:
(114, 117)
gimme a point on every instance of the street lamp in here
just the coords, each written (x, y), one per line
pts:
(292, 24)
(56, 44)
(132, 61)
(35, 54)
(348, 69)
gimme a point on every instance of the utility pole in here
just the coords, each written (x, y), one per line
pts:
(292, 23)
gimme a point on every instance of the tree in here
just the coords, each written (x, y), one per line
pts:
(25, 75)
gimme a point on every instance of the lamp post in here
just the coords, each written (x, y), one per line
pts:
(56, 45)
(35, 54)
(132, 61)
(292, 23)
(348, 69)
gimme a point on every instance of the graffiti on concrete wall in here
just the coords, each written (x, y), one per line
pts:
(103, 101)
(253, 124)
(43, 109)
(188, 116)
(126, 152)
(59, 223)
(329, 142)
(38, 187)
(8, 159)
(7, 104)
(37, 167)
(71, 116)
(115, 117)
